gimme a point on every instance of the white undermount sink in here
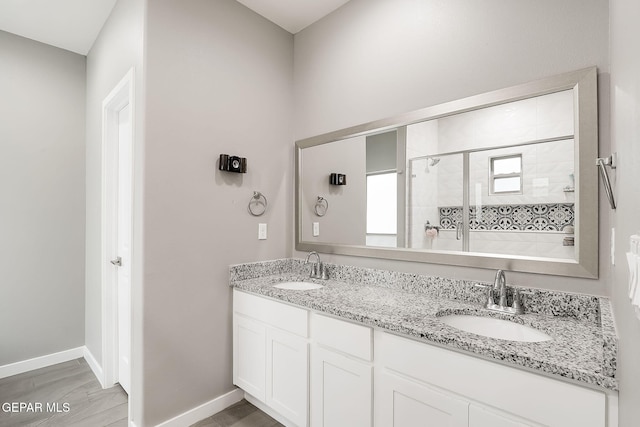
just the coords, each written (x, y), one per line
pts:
(494, 328)
(298, 286)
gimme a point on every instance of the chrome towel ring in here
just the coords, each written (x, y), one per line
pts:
(257, 204)
(321, 207)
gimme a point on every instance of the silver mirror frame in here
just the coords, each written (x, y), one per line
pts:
(584, 84)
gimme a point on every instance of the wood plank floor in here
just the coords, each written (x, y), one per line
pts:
(74, 383)
(71, 383)
(242, 414)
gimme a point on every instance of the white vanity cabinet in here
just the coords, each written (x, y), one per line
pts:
(313, 369)
(271, 354)
(485, 417)
(341, 373)
(402, 402)
(249, 356)
(415, 381)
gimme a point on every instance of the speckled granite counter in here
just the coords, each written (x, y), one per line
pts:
(583, 348)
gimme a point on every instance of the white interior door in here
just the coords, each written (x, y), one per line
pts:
(124, 246)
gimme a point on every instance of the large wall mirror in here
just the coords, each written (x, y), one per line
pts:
(505, 179)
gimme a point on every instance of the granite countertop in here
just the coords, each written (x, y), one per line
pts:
(583, 347)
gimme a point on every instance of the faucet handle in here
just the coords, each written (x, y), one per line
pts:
(322, 272)
(517, 300)
(489, 289)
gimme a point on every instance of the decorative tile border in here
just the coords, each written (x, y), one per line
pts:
(540, 217)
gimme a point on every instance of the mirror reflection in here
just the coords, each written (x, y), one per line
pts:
(498, 180)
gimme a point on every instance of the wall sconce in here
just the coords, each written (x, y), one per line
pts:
(337, 179)
(232, 163)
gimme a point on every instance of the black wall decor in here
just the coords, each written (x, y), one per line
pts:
(337, 179)
(232, 163)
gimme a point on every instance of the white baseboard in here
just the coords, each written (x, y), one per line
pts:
(267, 410)
(94, 365)
(41, 362)
(205, 410)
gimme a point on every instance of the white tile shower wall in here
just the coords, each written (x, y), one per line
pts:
(427, 194)
(382, 240)
(423, 202)
(534, 244)
(546, 167)
(545, 173)
(422, 139)
(450, 180)
(507, 124)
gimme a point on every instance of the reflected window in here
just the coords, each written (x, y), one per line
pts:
(505, 174)
(382, 199)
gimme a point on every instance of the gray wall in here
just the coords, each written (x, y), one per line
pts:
(382, 152)
(345, 219)
(372, 59)
(41, 199)
(218, 81)
(117, 49)
(625, 125)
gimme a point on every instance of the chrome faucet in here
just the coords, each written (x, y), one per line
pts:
(500, 287)
(318, 271)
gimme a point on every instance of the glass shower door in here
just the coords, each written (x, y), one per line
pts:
(435, 208)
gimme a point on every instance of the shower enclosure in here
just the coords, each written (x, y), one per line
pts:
(498, 181)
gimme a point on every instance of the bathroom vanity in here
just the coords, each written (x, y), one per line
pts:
(502, 180)
(369, 348)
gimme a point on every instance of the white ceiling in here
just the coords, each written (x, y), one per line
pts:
(74, 24)
(293, 15)
(68, 24)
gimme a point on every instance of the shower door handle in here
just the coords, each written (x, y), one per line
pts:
(458, 230)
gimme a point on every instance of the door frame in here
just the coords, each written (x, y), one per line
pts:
(121, 95)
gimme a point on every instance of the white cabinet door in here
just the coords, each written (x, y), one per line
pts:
(484, 417)
(546, 401)
(287, 380)
(249, 344)
(400, 402)
(341, 391)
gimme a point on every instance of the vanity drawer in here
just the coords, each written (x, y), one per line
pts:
(349, 338)
(277, 314)
(528, 395)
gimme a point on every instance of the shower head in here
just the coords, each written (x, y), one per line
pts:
(431, 161)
